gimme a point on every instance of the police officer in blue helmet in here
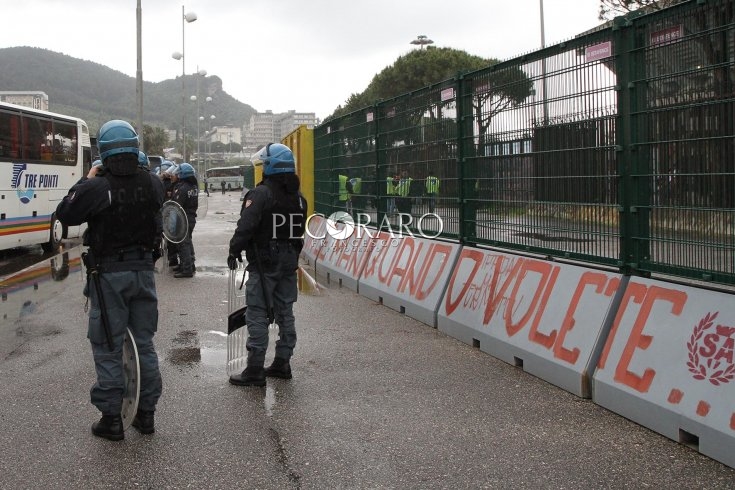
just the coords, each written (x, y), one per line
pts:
(121, 203)
(143, 161)
(270, 231)
(186, 194)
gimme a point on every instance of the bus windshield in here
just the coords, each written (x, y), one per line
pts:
(42, 154)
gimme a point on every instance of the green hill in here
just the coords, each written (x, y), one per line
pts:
(97, 93)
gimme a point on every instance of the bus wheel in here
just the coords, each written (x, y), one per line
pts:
(56, 234)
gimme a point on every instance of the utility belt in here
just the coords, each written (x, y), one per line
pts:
(131, 258)
(280, 245)
(270, 250)
(127, 254)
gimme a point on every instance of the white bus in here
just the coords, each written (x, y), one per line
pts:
(42, 154)
(231, 176)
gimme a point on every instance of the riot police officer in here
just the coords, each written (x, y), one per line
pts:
(270, 231)
(121, 203)
(186, 194)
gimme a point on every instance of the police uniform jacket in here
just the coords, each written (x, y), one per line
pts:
(271, 213)
(123, 215)
(186, 194)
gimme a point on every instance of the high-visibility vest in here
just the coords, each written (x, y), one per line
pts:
(343, 188)
(432, 184)
(404, 187)
(356, 185)
(390, 188)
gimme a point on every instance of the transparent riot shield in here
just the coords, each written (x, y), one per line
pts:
(237, 333)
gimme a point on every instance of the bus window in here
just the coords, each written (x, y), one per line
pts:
(9, 135)
(37, 139)
(65, 142)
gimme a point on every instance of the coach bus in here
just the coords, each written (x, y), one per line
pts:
(42, 154)
(231, 176)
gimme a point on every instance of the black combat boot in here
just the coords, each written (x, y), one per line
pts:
(280, 368)
(143, 421)
(251, 376)
(110, 427)
(183, 273)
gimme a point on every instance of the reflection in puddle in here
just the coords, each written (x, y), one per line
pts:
(22, 292)
(214, 357)
(270, 400)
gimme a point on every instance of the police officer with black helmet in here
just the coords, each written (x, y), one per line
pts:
(121, 204)
(270, 231)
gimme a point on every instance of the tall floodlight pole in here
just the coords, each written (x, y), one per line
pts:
(139, 74)
(543, 63)
(188, 17)
(201, 73)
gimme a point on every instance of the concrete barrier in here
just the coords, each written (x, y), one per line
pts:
(546, 317)
(668, 365)
(342, 260)
(408, 274)
(314, 238)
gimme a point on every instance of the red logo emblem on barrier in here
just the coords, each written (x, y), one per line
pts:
(711, 352)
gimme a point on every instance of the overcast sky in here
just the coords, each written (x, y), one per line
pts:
(306, 55)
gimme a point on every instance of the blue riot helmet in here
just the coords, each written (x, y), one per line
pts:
(143, 161)
(173, 169)
(163, 169)
(118, 137)
(276, 159)
(185, 170)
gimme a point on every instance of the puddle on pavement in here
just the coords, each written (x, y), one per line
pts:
(23, 291)
(192, 348)
(209, 348)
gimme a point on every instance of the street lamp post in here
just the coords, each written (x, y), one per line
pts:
(200, 73)
(139, 75)
(188, 17)
(199, 141)
(208, 134)
(422, 40)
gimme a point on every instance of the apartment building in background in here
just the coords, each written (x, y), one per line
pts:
(267, 127)
(35, 100)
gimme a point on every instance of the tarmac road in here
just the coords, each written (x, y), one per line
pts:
(378, 400)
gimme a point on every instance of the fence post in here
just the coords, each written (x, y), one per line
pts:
(465, 198)
(632, 167)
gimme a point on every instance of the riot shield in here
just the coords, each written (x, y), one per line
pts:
(237, 336)
(175, 222)
(131, 375)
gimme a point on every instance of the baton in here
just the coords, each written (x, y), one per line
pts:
(92, 271)
(268, 303)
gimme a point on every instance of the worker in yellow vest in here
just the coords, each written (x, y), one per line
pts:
(403, 191)
(432, 189)
(390, 191)
(354, 188)
(343, 196)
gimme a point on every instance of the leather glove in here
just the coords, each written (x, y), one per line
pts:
(232, 261)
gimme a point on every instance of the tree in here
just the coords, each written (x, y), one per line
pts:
(414, 70)
(154, 140)
(612, 8)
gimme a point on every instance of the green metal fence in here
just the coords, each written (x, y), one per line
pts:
(615, 148)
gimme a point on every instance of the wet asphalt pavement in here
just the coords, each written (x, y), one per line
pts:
(378, 400)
